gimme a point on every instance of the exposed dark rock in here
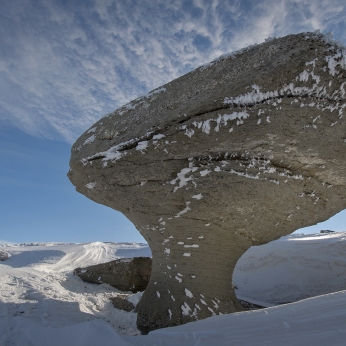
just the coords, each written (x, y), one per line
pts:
(250, 306)
(237, 153)
(122, 304)
(126, 274)
(4, 255)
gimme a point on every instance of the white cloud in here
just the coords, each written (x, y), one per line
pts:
(64, 66)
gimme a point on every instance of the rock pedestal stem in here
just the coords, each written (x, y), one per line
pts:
(190, 279)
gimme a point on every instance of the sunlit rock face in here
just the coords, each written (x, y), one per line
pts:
(125, 274)
(235, 153)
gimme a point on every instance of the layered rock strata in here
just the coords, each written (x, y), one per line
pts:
(236, 153)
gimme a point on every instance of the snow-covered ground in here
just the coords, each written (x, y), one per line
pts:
(42, 303)
(292, 268)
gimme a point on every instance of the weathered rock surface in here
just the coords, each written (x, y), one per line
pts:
(4, 255)
(126, 274)
(122, 303)
(236, 153)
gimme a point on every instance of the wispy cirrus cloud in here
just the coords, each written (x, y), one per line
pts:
(65, 64)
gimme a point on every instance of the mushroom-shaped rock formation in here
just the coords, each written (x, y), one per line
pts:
(239, 152)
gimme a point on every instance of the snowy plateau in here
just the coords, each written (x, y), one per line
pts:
(299, 279)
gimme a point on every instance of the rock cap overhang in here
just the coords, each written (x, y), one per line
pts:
(130, 127)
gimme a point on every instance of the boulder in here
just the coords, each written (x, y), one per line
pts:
(238, 152)
(122, 303)
(4, 255)
(126, 274)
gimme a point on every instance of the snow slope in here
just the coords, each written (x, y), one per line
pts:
(36, 282)
(42, 303)
(292, 268)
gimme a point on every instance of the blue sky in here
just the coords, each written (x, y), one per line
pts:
(65, 64)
